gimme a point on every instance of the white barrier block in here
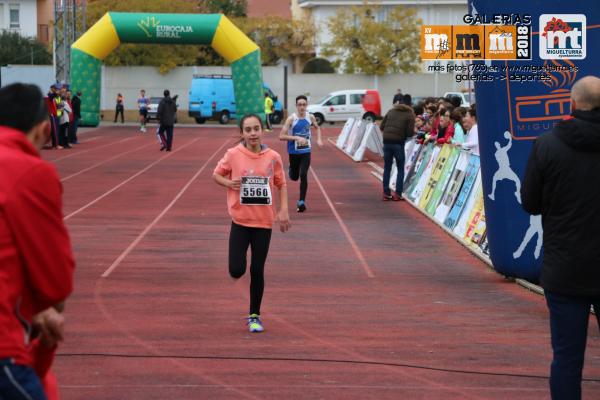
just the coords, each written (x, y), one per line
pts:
(351, 135)
(371, 140)
(343, 137)
(375, 143)
(355, 138)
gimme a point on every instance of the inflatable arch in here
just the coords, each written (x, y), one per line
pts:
(216, 30)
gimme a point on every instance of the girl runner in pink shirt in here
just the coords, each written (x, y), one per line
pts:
(250, 171)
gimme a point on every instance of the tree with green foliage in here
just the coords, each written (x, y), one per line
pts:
(363, 44)
(279, 38)
(165, 57)
(231, 8)
(16, 49)
(235, 9)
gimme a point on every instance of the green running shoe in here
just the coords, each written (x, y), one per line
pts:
(254, 323)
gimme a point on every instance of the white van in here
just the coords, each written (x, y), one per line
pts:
(344, 104)
(464, 97)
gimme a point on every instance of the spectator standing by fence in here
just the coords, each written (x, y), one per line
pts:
(397, 125)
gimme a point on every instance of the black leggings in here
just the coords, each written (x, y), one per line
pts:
(119, 110)
(299, 165)
(258, 239)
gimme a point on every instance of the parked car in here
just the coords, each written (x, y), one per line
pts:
(344, 104)
(153, 108)
(212, 97)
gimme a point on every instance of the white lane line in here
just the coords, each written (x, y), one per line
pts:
(349, 237)
(124, 254)
(76, 153)
(104, 162)
(97, 199)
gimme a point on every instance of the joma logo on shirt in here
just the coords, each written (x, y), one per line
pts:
(254, 180)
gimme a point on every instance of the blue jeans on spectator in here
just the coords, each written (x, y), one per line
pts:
(393, 152)
(569, 316)
(19, 382)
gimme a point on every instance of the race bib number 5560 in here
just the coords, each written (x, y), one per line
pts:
(255, 191)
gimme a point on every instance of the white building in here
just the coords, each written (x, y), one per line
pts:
(20, 16)
(432, 12)
(30, 18)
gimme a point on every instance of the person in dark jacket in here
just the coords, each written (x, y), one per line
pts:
(398, 97)
(397, 125)
(76, 106)
(562, 184)
(166, 114)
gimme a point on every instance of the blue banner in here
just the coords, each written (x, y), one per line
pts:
(516, 102)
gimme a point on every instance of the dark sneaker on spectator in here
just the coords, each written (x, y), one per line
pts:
(397, 197)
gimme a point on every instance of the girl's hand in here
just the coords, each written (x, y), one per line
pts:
(319, 142)
(302, 141)
(284, 220)
(235, 184)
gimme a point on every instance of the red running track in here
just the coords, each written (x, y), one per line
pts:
(364, 299)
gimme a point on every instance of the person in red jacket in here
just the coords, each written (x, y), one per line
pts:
(445, 131)
(36, 260)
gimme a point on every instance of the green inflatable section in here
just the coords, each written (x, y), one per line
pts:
(85, 77)
(164, 29)
(249, 97)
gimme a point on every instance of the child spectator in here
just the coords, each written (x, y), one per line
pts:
(459, 132)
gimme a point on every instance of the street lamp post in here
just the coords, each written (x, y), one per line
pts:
(1, 66)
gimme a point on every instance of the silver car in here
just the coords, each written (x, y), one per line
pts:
(153, 108)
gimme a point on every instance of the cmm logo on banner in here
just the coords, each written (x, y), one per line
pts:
(475, 42)
(435, 42)
(562, 36)
(533, 111)
(468, 42)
